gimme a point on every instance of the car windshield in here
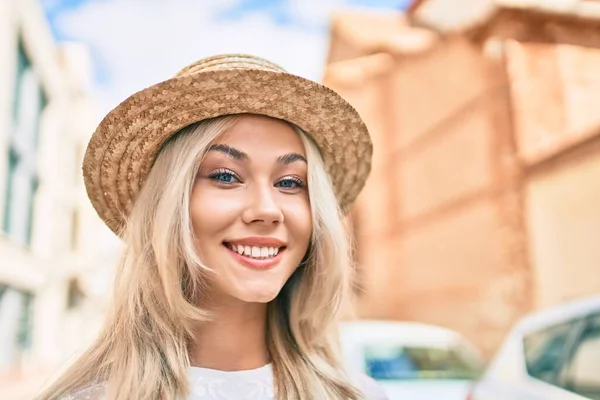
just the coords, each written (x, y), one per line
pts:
(405, 362)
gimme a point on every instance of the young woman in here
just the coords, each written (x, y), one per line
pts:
(228, 185)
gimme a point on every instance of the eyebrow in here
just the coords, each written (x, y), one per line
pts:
(290, 158)
(241, 156)
(230, 151)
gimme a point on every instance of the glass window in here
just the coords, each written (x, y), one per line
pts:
(25, 321)
(583, 370)
(75, 295)
(22, 182)
(404, 362)
(16, 323)
(544, 351)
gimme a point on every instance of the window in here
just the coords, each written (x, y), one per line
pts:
(583, 370)
(405, 362)
(544, 352)
(22, 182)
(75, 295)
(25, 321)
(16, 323)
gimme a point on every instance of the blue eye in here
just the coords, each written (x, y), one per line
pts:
(290, 183)
(224, 176)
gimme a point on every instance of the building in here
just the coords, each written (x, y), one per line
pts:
(482, 204)
(53, 269)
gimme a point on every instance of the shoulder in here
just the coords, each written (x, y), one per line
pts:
(371, 389)
(91, 392)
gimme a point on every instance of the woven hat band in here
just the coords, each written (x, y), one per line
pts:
(230, 62)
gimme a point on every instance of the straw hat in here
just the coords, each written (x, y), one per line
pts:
(125, 144)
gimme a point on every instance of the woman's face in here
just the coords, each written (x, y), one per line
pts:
(250, 209)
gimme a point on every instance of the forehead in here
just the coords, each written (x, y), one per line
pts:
(256, 133)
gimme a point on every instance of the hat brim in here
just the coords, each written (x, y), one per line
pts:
(123, 148)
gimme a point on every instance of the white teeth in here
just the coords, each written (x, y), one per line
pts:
(254, 251)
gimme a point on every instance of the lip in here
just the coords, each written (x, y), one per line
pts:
(255, 263)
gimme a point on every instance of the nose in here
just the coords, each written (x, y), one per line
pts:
(262, 207)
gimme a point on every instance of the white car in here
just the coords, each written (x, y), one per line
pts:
(553, 354)
(411, 361)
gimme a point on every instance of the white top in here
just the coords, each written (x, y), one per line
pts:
(254, 384)
(212, 384)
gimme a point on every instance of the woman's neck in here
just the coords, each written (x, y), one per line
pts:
(234, 340)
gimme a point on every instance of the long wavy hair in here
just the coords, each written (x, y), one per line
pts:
(142, 351)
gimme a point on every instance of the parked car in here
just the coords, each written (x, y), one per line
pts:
(410, 360)
(550, 355)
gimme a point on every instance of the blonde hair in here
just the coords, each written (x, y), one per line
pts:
(142, 352)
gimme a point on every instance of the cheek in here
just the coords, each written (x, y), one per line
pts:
(199, 212)
(208, 214)
(300, 223)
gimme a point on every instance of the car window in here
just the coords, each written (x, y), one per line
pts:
(544, 351)
(583, 370)
(387, 362)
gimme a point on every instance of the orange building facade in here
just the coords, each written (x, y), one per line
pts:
(484, 198)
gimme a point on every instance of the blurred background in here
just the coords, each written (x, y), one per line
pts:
(479, 224)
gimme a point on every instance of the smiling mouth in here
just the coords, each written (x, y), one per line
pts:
(255, 252)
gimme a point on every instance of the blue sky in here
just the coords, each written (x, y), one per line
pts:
(275, 7)
(135, 43)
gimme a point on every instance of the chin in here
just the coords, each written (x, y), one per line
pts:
(259, 296)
